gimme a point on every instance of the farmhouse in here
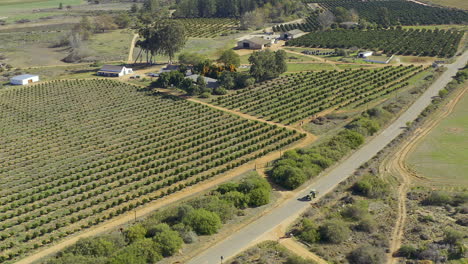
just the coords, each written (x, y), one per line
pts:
(210, 82)
(365, 54)
(295, 33)
(24, 79)
(254, 43)
(114, 71)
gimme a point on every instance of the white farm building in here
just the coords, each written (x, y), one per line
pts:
(114, 71)
(254, 43)
(365, 54)
(24, 79)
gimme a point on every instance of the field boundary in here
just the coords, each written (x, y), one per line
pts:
(397, 164)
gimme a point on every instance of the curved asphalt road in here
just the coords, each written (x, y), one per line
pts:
(233, 244)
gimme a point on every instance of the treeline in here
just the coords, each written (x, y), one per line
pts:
(398, 12)
(231, 8)
(297, 166)
(164, 233)
(424, 42)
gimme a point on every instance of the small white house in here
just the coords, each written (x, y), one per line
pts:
(365, 54)
(114, 71)
(24, 79)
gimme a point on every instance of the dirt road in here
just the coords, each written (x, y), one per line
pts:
(396, 165)
(300, 250)
(132, 47)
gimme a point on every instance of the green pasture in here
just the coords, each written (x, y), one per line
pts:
(111, 46)
(211, 48)
(443, 154)
(12, 10)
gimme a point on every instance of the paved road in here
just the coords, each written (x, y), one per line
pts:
(292, 208)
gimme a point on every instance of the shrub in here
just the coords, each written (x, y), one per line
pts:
(372, 187)
(227, 187)
(288, 176)
(335, 231)
(298, 260)
(224, 209)
(367, 255)
(189, 237)
(258, 197)
(367, 224)
(309, 232)
(141, 252)
(219, 91)
(93, 246)
(438, 198)
(238, 199)
(134, 233)
(168, 241)
(408, 251)
(253, 181)
(203, 222)
(452, 237)
(355, 212)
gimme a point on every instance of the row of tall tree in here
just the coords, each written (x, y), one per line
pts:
(232, 8)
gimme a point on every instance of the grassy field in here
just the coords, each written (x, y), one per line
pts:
(77, 153)
(443, 153)
(111, 46)
(12, 10)
(211, 48)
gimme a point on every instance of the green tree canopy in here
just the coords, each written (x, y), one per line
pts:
(203, 222)
(267, 65)
(229, 57)
(143, 251)
(164, 37)
(167, 240)
(134, 233)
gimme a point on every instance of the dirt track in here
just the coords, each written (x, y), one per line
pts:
(132, 46)
(300, 250)
(396, 164)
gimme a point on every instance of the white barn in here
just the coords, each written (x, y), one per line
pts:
(114, 71)
(365, 54)
(24, 79)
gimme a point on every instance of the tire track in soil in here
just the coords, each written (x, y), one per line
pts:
(397, 164)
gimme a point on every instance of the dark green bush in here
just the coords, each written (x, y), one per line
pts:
(408, 251)
(438, 198)
(372, 187)
(334, 231)
(203, 222)
(367, 255)
(355, 212)
(309, 231)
